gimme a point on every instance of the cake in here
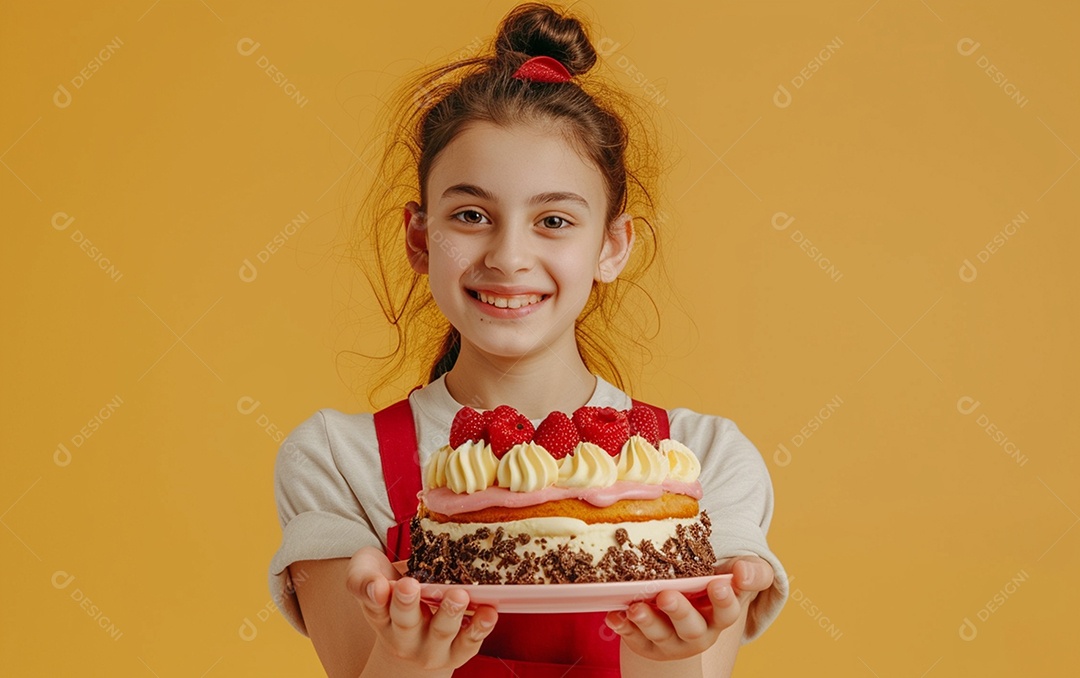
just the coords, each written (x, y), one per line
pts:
(596, 497)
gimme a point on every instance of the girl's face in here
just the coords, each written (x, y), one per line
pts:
(514, 237)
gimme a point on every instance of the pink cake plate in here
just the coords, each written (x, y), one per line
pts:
(552, 598)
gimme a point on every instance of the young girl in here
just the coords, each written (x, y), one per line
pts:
(521, 242)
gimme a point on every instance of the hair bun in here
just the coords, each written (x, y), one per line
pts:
(535, 29)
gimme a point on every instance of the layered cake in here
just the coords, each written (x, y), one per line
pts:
(596, 497)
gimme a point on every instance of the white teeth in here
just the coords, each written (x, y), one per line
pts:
(509, 302)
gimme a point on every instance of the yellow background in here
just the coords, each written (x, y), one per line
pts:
(899, 516)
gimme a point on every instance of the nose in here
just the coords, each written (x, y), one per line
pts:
(509, 249)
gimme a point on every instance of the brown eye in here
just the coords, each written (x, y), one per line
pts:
(471, 213)
(557, 226)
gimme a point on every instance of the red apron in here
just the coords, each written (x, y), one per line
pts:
(557, 645)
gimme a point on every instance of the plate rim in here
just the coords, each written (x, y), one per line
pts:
(696, 588)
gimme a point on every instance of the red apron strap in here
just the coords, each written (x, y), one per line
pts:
(661, 418)
(400, 458)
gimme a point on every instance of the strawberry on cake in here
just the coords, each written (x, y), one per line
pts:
(596, 497)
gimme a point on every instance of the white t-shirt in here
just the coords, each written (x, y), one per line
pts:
(331, 497)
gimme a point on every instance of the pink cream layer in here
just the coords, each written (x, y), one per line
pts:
(445, 501)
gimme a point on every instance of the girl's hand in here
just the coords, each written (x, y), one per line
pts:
(681, 628)
(752, 575)
(407, 631)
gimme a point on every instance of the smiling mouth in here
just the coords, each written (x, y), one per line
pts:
(508, 301)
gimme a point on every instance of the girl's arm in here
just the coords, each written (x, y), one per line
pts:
(335, 623)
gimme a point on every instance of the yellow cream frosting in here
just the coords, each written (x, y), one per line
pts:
(527, 467)
(471, 468)
(435, 471)
(683, 464)
(640, 462)
(588, 465)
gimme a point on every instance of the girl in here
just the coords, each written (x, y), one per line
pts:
(521, 246)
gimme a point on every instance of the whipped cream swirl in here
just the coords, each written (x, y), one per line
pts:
(527, 467)
(470, 468)
(589, 465)
(640, 462)
(683, 464)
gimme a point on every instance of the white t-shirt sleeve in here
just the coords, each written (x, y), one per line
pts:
(319, 513)
(738, 496)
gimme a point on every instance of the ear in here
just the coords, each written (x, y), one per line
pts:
(618, 243)
(416, 249)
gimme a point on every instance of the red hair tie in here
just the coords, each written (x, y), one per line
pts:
(542, 69)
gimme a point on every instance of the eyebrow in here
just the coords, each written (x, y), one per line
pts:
(538, 199)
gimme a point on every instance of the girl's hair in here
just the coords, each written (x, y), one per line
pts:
(432, 107)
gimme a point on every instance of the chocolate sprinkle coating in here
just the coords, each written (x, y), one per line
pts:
(440, 560)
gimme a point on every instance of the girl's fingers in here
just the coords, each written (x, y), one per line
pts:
(446, 623)
(685, 618)
(677, 624)
(725, 605)
(621, 624)
(652, 625)
(750, 573)
(405, 614)
(368, 562)
(366, 565)
(368, 579)
(393, 603)
(468, 641)
(375, 598)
